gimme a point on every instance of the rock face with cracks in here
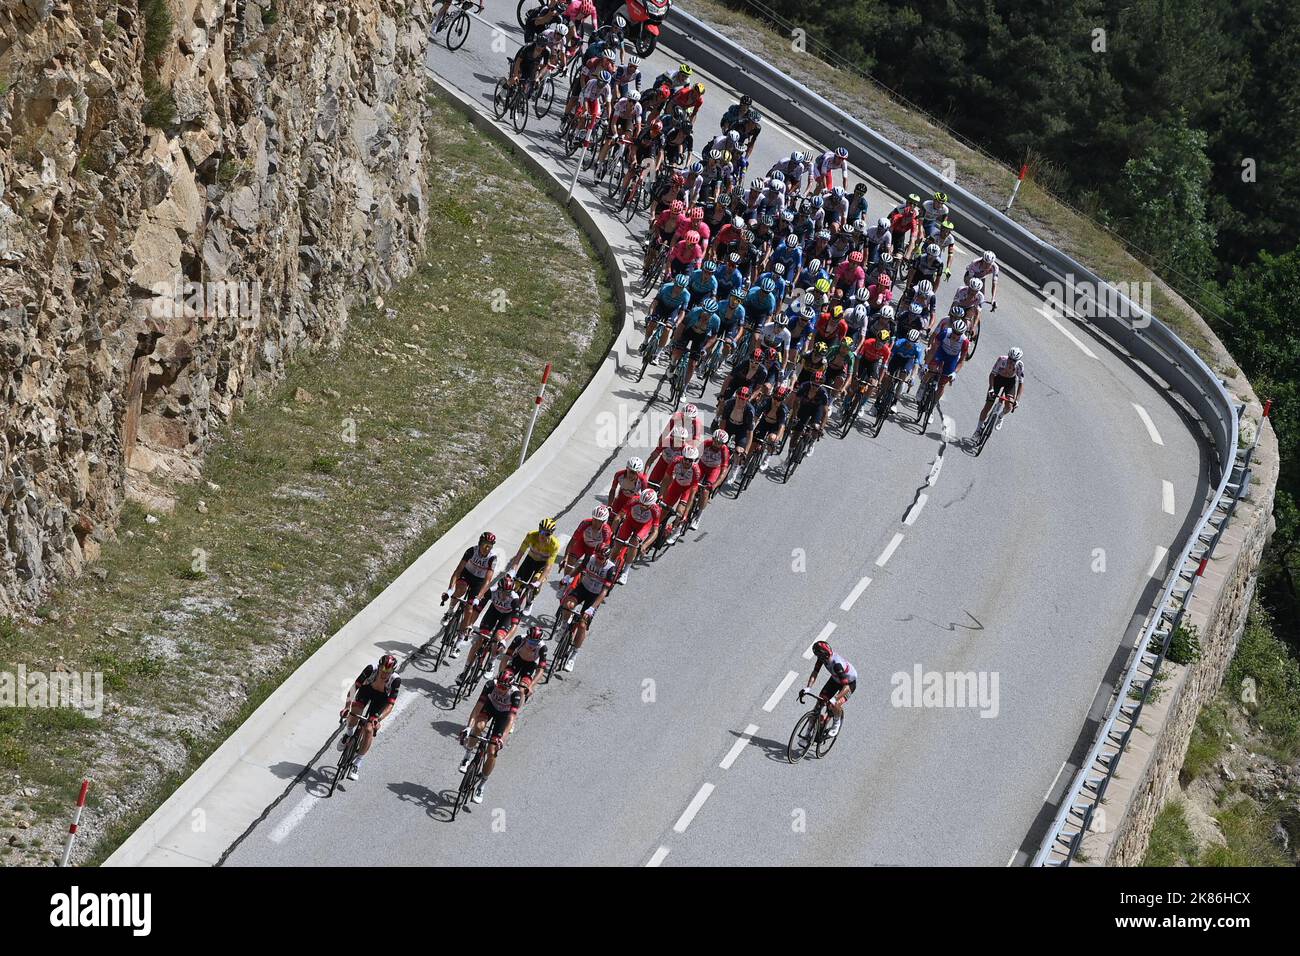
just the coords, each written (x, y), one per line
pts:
(190, 192)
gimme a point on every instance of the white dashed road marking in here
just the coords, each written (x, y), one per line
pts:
(1157, 560)
(855, 594)
(295, 817)
(915, 510)
(1146, 420)
(658, 856)
(1045, 313)
(890, 548)
(693, 808)
(738, 746)
(777, 694)
(1167, 496)
(825, 633)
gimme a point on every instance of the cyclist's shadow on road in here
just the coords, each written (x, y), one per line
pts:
(772, 749)
(436, 803)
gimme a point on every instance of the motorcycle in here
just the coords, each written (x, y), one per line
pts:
(639, 20)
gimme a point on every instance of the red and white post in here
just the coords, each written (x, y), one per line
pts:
(537, 408)
(1024, 168)
(76, 821)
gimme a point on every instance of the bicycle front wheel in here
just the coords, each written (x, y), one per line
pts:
(544, 98)
(801, 738)
(500, 99)
(825, 742)
(458, 31)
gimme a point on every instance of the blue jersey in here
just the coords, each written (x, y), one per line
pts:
(791, 257)
(671, 298)
(703, 284)
(906, 353)
(697, 320)
(759, 304)
(731, 318)
(781, 284)
(728, 279)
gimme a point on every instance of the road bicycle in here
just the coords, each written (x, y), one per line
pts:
(886, 399)
(476, 668)
(473, 774)
(851, 407)
(456, 22)
(564, 646)
(513, 99)
(653, 346)
(927, 398)
(992, 422)
(450, 633)
(351, 749)
(811, 731)
(800, 446)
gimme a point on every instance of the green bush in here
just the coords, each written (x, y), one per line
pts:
(1266, 659)
(1185, 645)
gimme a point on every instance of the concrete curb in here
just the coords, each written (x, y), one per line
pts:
(351, 639)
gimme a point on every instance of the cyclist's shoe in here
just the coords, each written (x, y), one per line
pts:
(764, 462)
(573, 656)
(478, 793)
(812, 449)
(355, 771)
(998, 426)
(456, 651)
(343, 741)
(464, 764)
(695, 523)
(834, 729)
(528, 608)
(622, 578)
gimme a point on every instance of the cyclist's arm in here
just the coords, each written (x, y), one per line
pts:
(455, 575)
(817, 666)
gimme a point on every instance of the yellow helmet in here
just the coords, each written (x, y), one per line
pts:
(884, 335)
(823, 285)
(546, 525)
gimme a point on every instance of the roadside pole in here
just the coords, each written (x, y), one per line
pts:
(537, 408)
(1024, 168)
(76, 820)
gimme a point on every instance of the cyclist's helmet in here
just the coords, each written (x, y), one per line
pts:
(720, 437)
(697, 167)
(781, 320)
(885, 282)
(913, 198)
(634, 96)
(818, 375)
(656, 127)
(535, 635)
(837, 192)
(691, 411)
(733, 257)
(710, 305)
(855, 257)
(649, 497)
(797, 157)
(823, 285)
(679, 179)
(916, 308)
(1015, 354)
(959, 326)
(678, 206)
(860, 312)
(505, 678)
(941, 196)
(768, 284)
(715, 154)
(697, 213)
(506, 581)
(842, 152)
(387, 663)
(976, 284)
(932, 251)
(882, 223)
(710, 265)
(809, 312)
(914, 335)
(816, 202)
(814, 265)
(883, 335)
(947, 225)
(546, 526)
(699, 88)
(821, 350)
(824, 234)
(681, 281)
(990, 257)
(737, 294)
(684, 69)
(792, 240)
(692, 236)
(743, 392)
(487, 537)
(600, 513)
(886, 258)
(924, 287)
(734, 138)
(691, 453)
(777, 177)
(957, 312)
(635, 464)
(887, 312)
(781, 392)
(606, 76)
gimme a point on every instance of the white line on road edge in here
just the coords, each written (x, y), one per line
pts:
(777, 694)
(738, 746)
(825, 633)
(1066, 332)
(855, 594)
(1146, 420)
(658, 856)
(1014, 854)
(1167, 496)
(1157, 560)
(949, 427)
(915, 510)
(1052, 785)
(689, 813)
(890, 548)
(295, 817)
(936, 466)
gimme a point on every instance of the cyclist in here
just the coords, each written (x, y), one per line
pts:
(949, 348)
(1007, 374)
(770, 427)
(597, 530)
(689, 99)
(732, 318)
(843, 681)
(698, 332)
(438, 21)
(878, 239)
(597, 97)
(947, 243)
(596, 575)
(812, 405)
(624, 121)
(850, 277)
(536, 558)
(985, 268)
(904, 357)
(686, 254)
(665, 456)
(497, 705)
(539, 19)
(858, 203)
(873, 354)
(504, 608)
(793, 169)
(627, 77)
(824, 166)
(637, 526)
(905, 226)
(681, 485)
(669, 305)
(473, 573)
(737, 417)
(933, 212)
(678, 138)
(526, 659)
(927, 267)
(373, 695)
(703, 281)
(760, 301)
(970, 299)
(714, 465)
(840, 366)
(529, 61)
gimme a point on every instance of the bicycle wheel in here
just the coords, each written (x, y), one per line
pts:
(519, 112)
(519, 11)
(562, 650)
(986, 430)
(458, 31)
(678, 384)
(468, 680)
(851, 413)
(825, 742)
(544, 98)
(500, 99)
(974, 341)
(801, 738)
(345, 761)
(447, 639)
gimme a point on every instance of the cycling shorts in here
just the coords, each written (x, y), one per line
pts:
(1003, 385)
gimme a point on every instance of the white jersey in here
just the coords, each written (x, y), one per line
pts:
(1005, 368)
(979, 269)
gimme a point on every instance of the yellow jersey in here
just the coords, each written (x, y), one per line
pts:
(545, 548)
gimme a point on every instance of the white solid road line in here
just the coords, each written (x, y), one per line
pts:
(1167, 496)
(1052, 786)
(936, 466)
(856, 593)
(890, 548)
(1146, 420)
(1157, 560)
(295, 817)
(915, 510)
(689, 813)
(777, 694)
(1046, 313)
(825, 633)
(738, 746)
(658, 856)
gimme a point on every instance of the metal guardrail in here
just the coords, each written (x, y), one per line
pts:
(1143, 337)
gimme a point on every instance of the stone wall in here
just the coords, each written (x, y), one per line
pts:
(190, 192)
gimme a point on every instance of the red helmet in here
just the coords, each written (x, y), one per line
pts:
(782, 391)
(818, 375)
(744, 391)
(656, 127)
(692, 236)
(821, 650)
(855, 257)
(697, 213)
(677, 206)
(679, 179)
(885, 281)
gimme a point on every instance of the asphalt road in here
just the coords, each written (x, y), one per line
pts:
(667, 743)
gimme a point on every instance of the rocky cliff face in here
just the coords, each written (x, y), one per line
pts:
(190, 191)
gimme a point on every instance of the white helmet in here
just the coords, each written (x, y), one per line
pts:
(679, 436)
(601, 514)
(634, 96)
(976, 284)
(925, 287)
(720, 437)
(990, 257)
(959, 326)
(882, 222)
(649, 497)
(690, 453)
(1015, 354)
(860, 311)
(635, 464)
(690, 411)
(932, 251)
(887, 312)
